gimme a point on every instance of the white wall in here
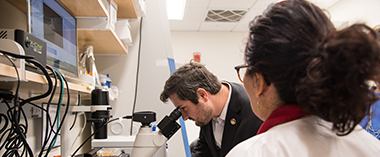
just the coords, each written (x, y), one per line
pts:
(353, 11)
(220, 51)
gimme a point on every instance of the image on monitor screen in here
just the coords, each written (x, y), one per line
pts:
(57, 27)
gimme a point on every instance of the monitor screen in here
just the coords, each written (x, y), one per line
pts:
(53, 24)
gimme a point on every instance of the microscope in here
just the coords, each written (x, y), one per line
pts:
(148, 140)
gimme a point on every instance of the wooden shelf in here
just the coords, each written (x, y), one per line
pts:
(103, 41)
(20, 4)
(35, 82)
(126, 9)
(91, 8)
(95, 8)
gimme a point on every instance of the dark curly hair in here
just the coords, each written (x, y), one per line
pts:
(186, 80)
(295, 46)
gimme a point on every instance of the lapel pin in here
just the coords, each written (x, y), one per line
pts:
(233, 121)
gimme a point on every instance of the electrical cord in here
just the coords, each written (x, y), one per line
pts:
(48, 121)
(15, 141)
(46, 111)
(137, 73)
(3, 116)
(81, 131)
(125, 117)
(16, 113)
(93, 135)
(47, 93)
(50, 131)
(18, 107)
(58, 110)
(18, 75)
(76, 113)
(17, 55)
(47, 76)
(67, 108)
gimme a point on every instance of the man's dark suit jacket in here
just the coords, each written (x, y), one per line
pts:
(246, 125)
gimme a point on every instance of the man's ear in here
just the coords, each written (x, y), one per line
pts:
(202, 94)
(261, 84)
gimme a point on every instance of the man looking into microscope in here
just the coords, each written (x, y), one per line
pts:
(221, 109)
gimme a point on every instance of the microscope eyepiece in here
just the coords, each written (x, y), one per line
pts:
(168, 126)
(175, 115)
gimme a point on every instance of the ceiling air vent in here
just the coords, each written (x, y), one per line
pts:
(225, 15)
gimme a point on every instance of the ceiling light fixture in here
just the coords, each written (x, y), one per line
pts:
(175, 9)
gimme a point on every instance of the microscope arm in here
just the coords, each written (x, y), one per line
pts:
(147, 142)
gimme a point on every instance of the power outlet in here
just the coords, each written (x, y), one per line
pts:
(32, 111)
(35, 112)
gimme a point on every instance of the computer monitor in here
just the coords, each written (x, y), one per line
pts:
(57, 27)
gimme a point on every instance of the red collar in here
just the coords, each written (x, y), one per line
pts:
(282, 114)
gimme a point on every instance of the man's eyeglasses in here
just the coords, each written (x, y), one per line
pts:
(241, 69)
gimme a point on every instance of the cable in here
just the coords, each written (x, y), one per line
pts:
(46, 111)
(58, 110)
(48, 121)
(81, 131)
(16, 114)
(76, 114)
(13, 142)
(41, 108)
(18, 75)
(16, 139)
(47, 76)
(47, 93)
(137, 73)
(56, 119)
(93, 135)
(17, 55)
(67, 108)
(3, 116)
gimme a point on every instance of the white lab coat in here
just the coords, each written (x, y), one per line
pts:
(309, 136)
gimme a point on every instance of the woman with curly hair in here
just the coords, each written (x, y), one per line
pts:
(307, 82)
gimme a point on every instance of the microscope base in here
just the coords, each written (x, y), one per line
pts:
(123, 142)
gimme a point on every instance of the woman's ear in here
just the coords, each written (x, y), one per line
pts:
(261, 84)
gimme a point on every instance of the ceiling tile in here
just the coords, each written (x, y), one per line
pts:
(195, 14)
(184, 25)
(231, 4)
(262, 4)
(242, 26)
(197, 3)
(196, 11)
(217, 26)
